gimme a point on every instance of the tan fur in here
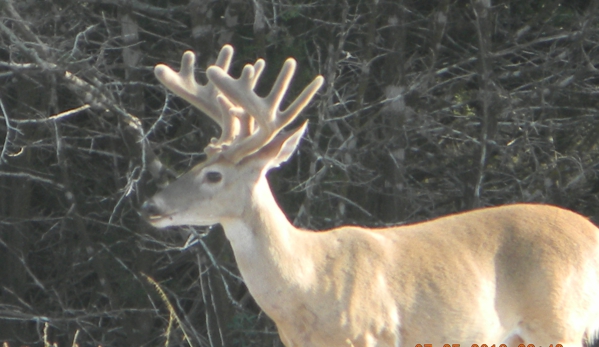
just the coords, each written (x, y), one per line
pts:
(512, 274)
(517, 272)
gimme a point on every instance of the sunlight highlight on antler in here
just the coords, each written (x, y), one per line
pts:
(248, 122)
(266, 113)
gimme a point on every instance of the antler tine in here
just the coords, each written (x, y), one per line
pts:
(184, 84)
(300, 102)
(246, 122)
(265, 111)
(203, 97)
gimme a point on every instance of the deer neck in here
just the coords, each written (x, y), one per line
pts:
(268, 249)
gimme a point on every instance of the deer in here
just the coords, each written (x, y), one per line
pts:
(511, 275)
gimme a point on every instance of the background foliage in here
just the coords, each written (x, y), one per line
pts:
(428, 108)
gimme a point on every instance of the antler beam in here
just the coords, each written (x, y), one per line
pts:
(205, 97)
(248, 122)
(264, 111)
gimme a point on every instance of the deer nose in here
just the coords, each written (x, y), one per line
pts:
(150, 208)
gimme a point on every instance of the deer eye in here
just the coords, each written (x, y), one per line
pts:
(214, 177)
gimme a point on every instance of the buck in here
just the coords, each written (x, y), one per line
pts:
(513, 274)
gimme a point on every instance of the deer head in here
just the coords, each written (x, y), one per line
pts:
(251, 142)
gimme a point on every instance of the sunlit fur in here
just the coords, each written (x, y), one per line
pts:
(518, 274)
(512, 274)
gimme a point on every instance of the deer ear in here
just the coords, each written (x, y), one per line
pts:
(279, 150)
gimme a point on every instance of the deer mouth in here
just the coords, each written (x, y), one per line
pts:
(152, 213)
(159, 220)
(157, 217)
